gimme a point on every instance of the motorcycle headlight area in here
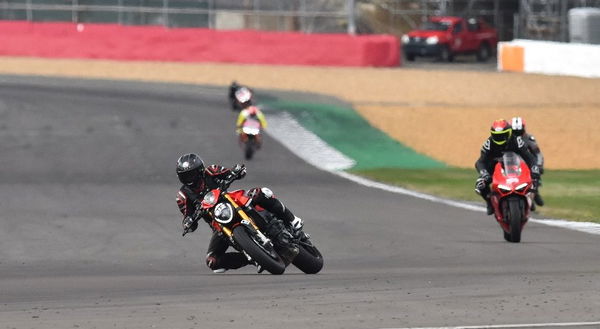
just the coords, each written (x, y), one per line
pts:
(223, 213)
(504, 188)
(521, 187)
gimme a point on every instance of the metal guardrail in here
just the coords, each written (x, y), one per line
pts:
(199, 13)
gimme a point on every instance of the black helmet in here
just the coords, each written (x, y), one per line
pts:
(190, 168)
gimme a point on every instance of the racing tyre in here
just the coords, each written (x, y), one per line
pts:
(515, 217)
(446, 54)
(410, 57)
(249, 151)
(309, 260)
(264, 255)
(483, 53)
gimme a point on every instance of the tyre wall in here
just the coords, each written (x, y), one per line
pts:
(553, 58)
(157, 43)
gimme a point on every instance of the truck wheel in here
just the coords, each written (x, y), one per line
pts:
(483, 53)
(446, 55)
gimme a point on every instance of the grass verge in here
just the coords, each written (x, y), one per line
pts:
(573, 195)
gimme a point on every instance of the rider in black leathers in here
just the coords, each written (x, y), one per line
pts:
(518, 127)
(501, 140)
(197, 180)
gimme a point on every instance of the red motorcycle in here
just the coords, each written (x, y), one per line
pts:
(512, 195)
(250, 137)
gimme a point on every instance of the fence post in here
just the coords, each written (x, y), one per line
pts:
(303, 16)
(75, 11)
(29, 12)
(211, 14)
(351, 19)
(166, 13)
(120, 13)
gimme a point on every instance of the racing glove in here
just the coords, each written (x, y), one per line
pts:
(483, 181)
(239, 171)
(480, 185)
(189, 225)
(535, 172)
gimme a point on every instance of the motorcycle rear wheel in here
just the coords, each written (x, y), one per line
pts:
(272, 263)
(249, 150)
(309, 260)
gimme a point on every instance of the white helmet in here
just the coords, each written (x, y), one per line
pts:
(243, 95)
(518, 125)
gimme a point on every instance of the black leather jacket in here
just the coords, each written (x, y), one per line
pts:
(534, 148)
(491, 152)
(187, 196)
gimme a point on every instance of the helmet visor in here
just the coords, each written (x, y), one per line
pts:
(518, 132)
(189, 177)
(501, 137)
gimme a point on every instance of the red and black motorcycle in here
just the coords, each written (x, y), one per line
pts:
(512, 195)
(246, 225)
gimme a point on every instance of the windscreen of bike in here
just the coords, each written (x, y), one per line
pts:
(511, 163)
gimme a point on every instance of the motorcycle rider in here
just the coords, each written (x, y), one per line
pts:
(240, 96)
(197, 180)
(518, 127)
(251, 112)
(501, 140)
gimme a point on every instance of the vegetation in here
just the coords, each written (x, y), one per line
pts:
(573, 195)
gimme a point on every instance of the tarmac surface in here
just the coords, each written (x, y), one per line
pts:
(90, 232)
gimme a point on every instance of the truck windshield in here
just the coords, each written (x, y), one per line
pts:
(435, 26)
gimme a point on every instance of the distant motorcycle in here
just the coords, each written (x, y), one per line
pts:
(248, 227)
(512, 195)
(240, 97)
(250, 137)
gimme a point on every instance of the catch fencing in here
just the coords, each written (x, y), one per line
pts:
(309, 16)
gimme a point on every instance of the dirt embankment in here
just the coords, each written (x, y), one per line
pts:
(443, 114)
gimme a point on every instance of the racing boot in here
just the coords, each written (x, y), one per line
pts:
(537, 198)
(283, 241)
(490, 208)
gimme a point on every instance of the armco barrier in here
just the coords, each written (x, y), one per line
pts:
(153, 43)
(552, 58)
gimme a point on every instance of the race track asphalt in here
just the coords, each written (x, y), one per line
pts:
(90, 231)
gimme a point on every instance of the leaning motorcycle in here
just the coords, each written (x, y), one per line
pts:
(512, 195)
(246, 226)
(250, 137)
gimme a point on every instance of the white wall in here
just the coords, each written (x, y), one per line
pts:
(558, 58)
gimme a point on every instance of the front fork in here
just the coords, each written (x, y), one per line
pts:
(246, 221)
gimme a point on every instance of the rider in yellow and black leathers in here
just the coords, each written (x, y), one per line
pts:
(501, 140)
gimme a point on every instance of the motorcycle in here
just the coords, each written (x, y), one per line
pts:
(512, 195)
(239, 97)
(250, 137)
(245, 226)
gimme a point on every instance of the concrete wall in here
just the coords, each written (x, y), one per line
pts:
(554, 58)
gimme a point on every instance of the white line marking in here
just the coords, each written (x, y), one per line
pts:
(507, 326)
(318, 153)
(305, 144)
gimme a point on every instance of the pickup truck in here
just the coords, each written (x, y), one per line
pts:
(446, 36)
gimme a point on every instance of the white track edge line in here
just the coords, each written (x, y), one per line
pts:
(508, 326)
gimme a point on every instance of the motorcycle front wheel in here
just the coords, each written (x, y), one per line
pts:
(515, 217)
(263, 255)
